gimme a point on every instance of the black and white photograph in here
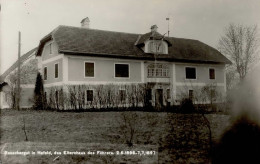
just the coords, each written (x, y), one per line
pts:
(129, 81)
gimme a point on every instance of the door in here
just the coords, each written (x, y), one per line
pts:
(159, 98)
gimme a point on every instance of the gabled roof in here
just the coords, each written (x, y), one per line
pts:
(91, 42)
(23, 58)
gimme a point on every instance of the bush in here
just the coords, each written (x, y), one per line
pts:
(39, 102)
(187, 106)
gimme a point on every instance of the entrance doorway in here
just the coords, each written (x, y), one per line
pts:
(158, 98)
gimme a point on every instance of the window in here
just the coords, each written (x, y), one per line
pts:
(156, 46)
(50, 46)
(190, 73)
(191, 94)
(56, 73)
(213, 95)
(45, 96)
(45, 73)
(89, 69)
(158, 70)
(57, 96)
(149, 94)
(89, 95)
(121, 70)
(168, 93)
(122, 94)
(211, 73)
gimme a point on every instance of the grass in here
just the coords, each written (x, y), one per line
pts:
(178, 137)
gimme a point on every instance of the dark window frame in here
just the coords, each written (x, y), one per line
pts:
(191, 94)
(123, 74)
(56, 70)
(188, 72)
(45, 73)
(50, 46)
(89, 74)
(212, 74)
(89, 95)
(122, 94)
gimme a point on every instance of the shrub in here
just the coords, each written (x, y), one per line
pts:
(39, 102)
(187, 106)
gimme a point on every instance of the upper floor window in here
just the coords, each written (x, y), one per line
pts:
(190, 72)
(211, 73)
(158, 70)
(45, 73)
(121, 70)
(56, 72)
(50, 47)
(89, 69)
(157, 46)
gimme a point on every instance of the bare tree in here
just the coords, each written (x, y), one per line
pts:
(240, 44)
(28, 76)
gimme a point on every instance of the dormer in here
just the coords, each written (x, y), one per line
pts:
(156, 46)
(153, 42)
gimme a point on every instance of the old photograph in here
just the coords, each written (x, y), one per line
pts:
(129, 81)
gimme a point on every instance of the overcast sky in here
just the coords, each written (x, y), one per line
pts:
(202, 20)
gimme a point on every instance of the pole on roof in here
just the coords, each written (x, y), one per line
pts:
(18, 73)
(168, 19)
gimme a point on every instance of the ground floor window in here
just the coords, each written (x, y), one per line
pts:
(168, 91)
(90, 95)
(122, 94)
(57, 96)
(149, 94)
(191, 94)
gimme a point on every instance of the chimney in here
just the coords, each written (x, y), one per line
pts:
(85, 22)
(154, 28)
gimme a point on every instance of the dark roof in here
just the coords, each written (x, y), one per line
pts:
(23, 58)
(91, 42)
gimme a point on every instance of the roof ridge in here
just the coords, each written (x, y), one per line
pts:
(13, 66)
(99, 30)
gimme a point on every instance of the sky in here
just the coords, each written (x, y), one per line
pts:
(203, 20)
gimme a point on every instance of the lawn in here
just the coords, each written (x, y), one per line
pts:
(175, 138)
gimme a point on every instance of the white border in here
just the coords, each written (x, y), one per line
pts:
(85, 69)
(122, 77)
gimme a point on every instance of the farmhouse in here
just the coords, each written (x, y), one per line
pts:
(83, 66)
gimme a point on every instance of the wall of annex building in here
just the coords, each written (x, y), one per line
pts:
(26, 97)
